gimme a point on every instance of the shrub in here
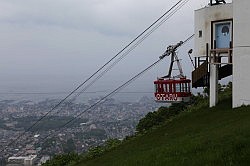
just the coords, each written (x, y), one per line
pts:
(63, 160)
(158, 117)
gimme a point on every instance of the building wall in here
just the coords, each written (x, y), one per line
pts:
(239, 12)
(203, 19)
(241, 53)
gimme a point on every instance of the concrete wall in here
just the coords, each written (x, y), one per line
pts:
(241, 53)
(203, 19)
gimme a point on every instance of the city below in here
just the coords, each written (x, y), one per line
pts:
(54, 135)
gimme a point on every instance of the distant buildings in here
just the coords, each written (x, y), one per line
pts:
(25, 161)
(43, 160)
(112, 119)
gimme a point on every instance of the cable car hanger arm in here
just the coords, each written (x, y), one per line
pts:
(171, 49)
(174, 47)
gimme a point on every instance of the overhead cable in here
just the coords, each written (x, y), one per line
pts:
(102, 67)
(117, 90)
(167, 16)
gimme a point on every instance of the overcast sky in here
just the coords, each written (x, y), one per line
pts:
(54, 45)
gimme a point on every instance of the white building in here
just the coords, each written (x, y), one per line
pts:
(222, 48)
(43, 160)
(26, 161)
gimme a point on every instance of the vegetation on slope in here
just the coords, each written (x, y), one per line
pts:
(71, 159)
(197, 136)
(158, 117)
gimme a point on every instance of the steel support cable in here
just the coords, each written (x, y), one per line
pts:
(102, 100)
(131, 49)
(128, 45)
(122, 86)
(178, 7)
(102, 67)
(154, 27)
(84, 90)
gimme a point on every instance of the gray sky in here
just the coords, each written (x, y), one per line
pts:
(55, 45)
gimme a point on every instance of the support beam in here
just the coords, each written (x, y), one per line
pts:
(213, 100)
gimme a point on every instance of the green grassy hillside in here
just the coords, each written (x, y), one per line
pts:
(216, 136)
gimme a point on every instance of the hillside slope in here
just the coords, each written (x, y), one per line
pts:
(216, 136)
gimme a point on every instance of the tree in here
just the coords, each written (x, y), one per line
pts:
(63, 160)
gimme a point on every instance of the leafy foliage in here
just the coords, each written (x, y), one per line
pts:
(99, 150)
(197, 102)
(69, 146)
(63, 160)
(205, 136)
(158, 117)
(73, 158)
(192, 139)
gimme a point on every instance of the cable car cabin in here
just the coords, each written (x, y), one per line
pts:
(172, 90)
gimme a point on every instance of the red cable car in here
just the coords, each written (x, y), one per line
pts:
(173, 89)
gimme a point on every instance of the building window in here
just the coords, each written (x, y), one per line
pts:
(200, 34)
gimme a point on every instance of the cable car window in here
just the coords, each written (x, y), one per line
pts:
(178, 88)
(169, 88)
(159, 88)
(185, 87)
(166, 87)
(162, 88)
(156, 88)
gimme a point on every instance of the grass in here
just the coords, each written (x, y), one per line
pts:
(215, 136)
